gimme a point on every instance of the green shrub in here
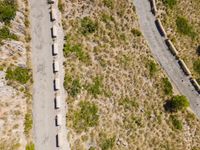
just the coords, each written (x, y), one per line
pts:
(177, 103)
(170, 3)
(28, 123)
(184, 27)
(5, 34)
(196, 66)
(72, 86)
(30, 146)
(136, 32)
(152, 68)
(8, 10)
(88, 26)
(168, 89)
(109, 3)
(18, 74)
(107, 143)
(177, 124)
(87, 116)
(78, 51)
(97, 87)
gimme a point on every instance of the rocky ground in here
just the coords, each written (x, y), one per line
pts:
(14, 96)
(187, 45)
(116, 90)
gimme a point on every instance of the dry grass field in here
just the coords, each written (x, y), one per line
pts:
(181, 21)
(15, 76)
(116, 90)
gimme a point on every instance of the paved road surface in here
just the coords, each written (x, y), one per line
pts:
(163, 56)
(44, 129)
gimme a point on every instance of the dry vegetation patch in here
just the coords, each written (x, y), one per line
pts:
(116, 91)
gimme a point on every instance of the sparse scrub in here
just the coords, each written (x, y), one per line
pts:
(28, 123)
(177, 124)
(8, 10)
(184, 27)
(170, 3)
(168, 89)
(152, 68)
(128, 103)
(78, 51)
(72, 86)
(88, 26)
(107, 143)
(86, 117)
(109, 3)
(196, 66)
(30, 146)
(60, 5)
(96, 87)
(136, 32)
(19, 74)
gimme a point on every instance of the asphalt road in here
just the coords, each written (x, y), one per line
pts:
(163, 55)
(44, 129)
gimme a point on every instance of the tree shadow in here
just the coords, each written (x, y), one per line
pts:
(198, 50)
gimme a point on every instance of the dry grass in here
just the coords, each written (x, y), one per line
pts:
(186, 45)
(121, 79)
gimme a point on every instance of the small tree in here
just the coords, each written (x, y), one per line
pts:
(177, 103)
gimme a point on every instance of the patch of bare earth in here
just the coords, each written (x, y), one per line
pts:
(110, 67)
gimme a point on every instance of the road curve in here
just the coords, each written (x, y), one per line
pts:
(163, 56)
(44, 128)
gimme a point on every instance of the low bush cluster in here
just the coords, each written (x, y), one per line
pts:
(87, 116)
(88, 26)
(184, 27)
(8, 10)
(19, 74)
(28, 123)
(5, 34)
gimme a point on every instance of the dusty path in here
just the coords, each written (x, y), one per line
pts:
(163, 56)
(44, 129)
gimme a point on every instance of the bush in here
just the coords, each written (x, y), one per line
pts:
(96, 88)
(128, 103)
(28, 123)
(196, 66)
(170, 3)
(168, 89)
(30, 146)
(73, 87)
(177, 124)
(107, 143)
(177, 103)
(136, 32)
(87, 116)
(184, 28)
(5, 34)
(7, 10)
(88, 26)
(18, 74)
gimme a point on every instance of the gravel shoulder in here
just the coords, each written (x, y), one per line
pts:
(163, 56)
